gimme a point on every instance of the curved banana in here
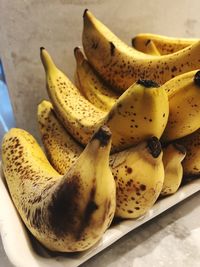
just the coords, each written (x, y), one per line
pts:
(52, 132)
(173, 156)
(138, 171)
(77, 114)
(91, 85)
(191, 163)
(140, 112)
(164, 44)
(184, 105)
(121, 65)
(65, 213)
(139, 176)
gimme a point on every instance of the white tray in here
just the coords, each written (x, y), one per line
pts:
(21, 248)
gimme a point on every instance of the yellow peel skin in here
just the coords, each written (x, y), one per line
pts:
(191, 163)
(173, 156)
(138, 174)
(184, 106)
(164, 44)
(151, 49)
(121, 65)
(65, 213)
(52, 132)
(76, 113)
(91, 86)
(139, 113)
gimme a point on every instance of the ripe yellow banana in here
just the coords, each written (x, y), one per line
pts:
(121, 65)
(65, 213)
(77, 114)
(138, 171)
(91, 86)
(184, 105)
(139, 176)
(139, 113)
(164, 44)
(173, 156)
(191, 163)
(52, 132)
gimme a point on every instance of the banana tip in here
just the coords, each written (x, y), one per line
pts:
(197, 78)
(103, 135)
(154, 146)
(148, 83)
(85, 11)
(133, 41)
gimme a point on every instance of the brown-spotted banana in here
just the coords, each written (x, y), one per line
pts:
(91, 85)
(121, 65)
(53, 133)
(139, 176)
(138, 171)
(191, 163)
(67, 212)
(77, 114)
(184, 105)
(164, 44)
(139, 113)
(173, 156)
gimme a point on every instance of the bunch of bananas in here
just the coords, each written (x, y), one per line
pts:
(125, 133)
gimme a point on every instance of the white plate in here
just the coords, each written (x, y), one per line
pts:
(21, 248)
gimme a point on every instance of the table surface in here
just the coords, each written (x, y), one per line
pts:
(171, 239)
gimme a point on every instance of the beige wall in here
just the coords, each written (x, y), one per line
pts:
(57, 25)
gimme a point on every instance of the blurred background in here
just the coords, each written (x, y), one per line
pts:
(57, 25)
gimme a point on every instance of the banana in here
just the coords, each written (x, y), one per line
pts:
(77, 114)
(91, 85)
(139, 176)
(140, 112)
(151, 49)
(184, 105)
(164, 44)
(52, 132)
(191, 163)
(173, 156)
(121, 66)
(138, 171)
(68, 212)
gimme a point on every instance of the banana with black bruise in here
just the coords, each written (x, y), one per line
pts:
(135, 193)
(69, 212)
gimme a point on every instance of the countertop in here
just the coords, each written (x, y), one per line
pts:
(171, 239)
